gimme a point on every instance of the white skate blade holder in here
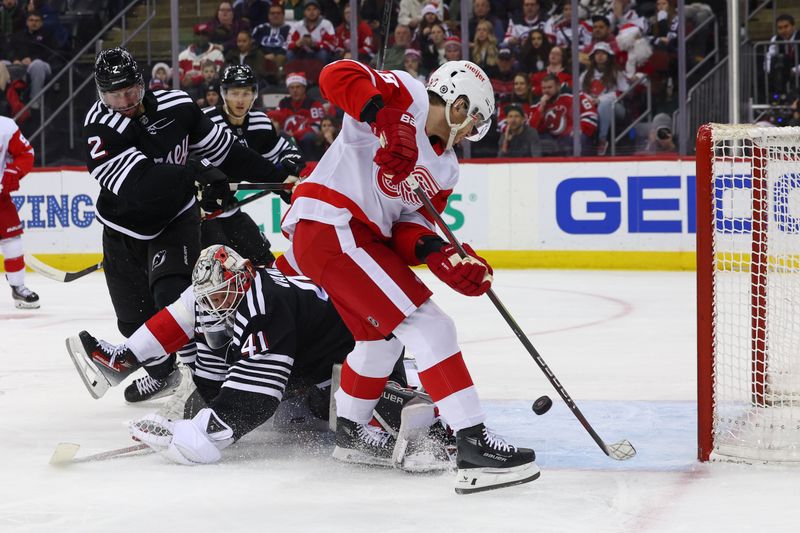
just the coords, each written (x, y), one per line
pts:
(96, 383)
(469, 480)
(416, 419)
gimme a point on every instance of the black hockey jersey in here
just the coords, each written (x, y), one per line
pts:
(122, 153)
(255, 132)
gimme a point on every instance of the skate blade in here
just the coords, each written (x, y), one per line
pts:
(94, 380)
(26, 305)
(469, 480)
(345, 455)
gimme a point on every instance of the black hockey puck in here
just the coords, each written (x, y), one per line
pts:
(542, 405)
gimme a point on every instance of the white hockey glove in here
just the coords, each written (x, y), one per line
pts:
(187, 442)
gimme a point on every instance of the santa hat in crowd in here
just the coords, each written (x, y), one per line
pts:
(452, 41)
(430, 8)
(296, 77)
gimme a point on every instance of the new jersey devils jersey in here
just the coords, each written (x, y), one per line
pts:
(346, 183)
(121, 150)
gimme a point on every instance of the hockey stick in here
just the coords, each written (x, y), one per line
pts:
(619, 450)
(388, 6)
(65, 452)
(269, 187)
(56, 274)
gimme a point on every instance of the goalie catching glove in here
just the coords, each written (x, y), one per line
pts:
(470, 275)
(187, 442)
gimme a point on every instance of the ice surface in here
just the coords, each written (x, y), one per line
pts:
(622, 343)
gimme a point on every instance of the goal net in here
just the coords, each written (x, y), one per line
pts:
(748, 293)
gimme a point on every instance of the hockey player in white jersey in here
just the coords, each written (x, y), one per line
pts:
(356, 226)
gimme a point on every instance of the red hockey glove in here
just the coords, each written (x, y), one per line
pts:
(9, 182)
(471, 275)
(398, 152)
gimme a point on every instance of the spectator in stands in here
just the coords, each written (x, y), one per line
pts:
(591, 8)
(558, 66)
(601, 33)
(502, 75)
(603, 81)
(430, 16)
(625, 13)
(395, 54)
(247, 53)
(31, 49)
(328, 131)
(213, 94)
(660, 139)
(412, 12)
(558, 27)
(313, 37)
(433, 49)
(532, 18)
(298, 114)
(160, 77)
(411, 62)
(482, 10)
(794, 120)
(521, 96)
(366, 45)
(452, 49)
(52, 24)
(273, 36)
(191, 60)
(483, 48)
(225, 26)
(782, 62)
(552, 118)
(518, 139)
(210, 72)
(254, 12)
(12, 17)
(664, 27)
(534, 52)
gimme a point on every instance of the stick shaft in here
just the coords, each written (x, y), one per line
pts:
(388, 5)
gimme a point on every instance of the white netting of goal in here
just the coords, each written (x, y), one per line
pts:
(756, 293)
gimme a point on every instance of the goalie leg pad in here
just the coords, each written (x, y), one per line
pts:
(415, 451)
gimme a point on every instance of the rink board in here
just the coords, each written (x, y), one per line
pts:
(621, 213)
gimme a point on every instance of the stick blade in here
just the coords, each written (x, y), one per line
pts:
(621, 450)
(64, 453)
(43, 268)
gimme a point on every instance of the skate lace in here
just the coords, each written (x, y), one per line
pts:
(23, 291)
(496, 441)
(147, 385)
(373, 436)
(114, 350)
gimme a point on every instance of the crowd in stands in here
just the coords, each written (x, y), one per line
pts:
(625, 49)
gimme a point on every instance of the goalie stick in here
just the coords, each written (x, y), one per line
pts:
(65, 452)
(59, 275)
(621, 450)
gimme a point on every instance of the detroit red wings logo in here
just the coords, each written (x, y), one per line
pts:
(403, 190)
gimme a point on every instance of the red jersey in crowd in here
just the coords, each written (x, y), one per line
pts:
(555, 116)
(299, 118)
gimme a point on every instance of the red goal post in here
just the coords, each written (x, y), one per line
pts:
(748, 293)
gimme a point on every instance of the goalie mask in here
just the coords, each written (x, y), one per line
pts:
(466, 81)
(220, 279)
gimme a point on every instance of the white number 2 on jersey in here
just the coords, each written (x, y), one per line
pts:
(95, 147)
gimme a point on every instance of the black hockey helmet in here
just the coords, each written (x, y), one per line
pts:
(238, 76)
(116, 69)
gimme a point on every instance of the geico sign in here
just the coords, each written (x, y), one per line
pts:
(50, 211)
(580, 212)
(733, 203)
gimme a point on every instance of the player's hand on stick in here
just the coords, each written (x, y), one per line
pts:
(398, 153)
(213, 192)
(293, 163)
(471, 275)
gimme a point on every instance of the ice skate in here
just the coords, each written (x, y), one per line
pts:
(149, 388)
(24, 298)
(485, 461)
(362, 444)
(100, 364)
